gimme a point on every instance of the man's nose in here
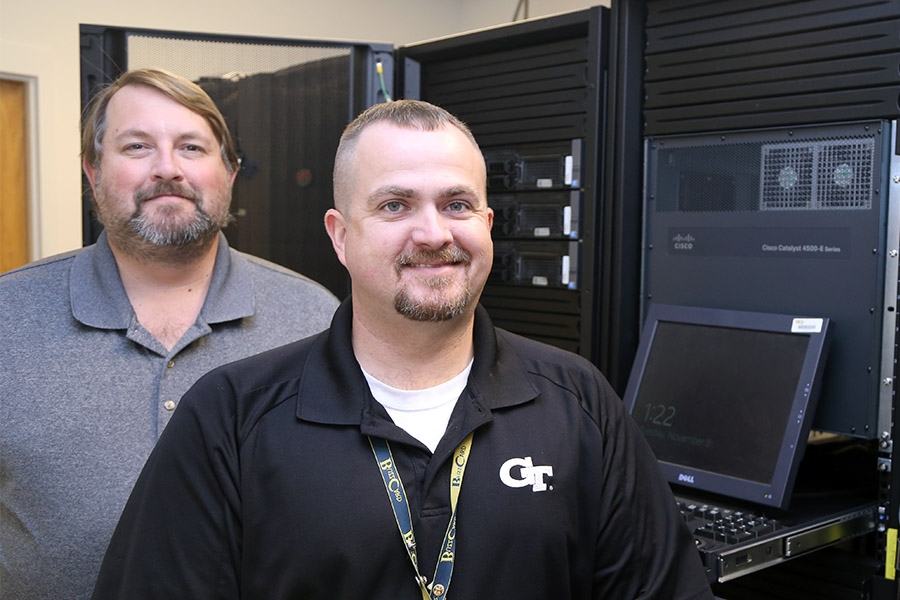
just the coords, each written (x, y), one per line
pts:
(431, 228)
(167, 165)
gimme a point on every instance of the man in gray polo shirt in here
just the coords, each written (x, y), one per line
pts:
(98, 345)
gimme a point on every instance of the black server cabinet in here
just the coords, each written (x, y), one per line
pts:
(534, 94)
(771, 182)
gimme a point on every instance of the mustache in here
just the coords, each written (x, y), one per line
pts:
(167, 188)
(450, 254)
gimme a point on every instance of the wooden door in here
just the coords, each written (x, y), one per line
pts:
(13, 178)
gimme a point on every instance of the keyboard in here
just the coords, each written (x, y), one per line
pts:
(734, 540)
(716, 526)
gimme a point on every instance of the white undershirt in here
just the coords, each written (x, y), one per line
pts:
(423, 414)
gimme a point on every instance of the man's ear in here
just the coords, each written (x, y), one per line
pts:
(91, 173)
(336, 227)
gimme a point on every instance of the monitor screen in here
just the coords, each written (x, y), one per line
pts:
(726, 398)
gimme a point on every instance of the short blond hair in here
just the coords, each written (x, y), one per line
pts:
(408, 114)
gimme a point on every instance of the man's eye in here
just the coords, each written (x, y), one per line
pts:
(135, 146)
(457, 206)
(393, 206)
(193, 148)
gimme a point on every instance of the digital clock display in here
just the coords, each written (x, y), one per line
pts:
(659, 414)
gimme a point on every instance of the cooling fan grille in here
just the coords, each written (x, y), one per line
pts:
(818, 174)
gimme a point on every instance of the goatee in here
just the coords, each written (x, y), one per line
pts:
(442, 307)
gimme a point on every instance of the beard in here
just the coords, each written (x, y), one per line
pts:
(439, 306)
(166, 228)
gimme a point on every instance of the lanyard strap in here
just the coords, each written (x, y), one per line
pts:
(400, 505)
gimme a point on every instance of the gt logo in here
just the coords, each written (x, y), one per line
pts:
(528, 474)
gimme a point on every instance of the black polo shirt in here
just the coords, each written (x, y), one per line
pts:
(264, 485)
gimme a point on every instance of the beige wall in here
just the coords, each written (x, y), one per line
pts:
(39, 42)
(486, 13)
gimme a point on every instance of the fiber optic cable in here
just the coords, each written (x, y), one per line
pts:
(379, 68)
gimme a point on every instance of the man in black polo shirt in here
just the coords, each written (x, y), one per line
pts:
(412, 450)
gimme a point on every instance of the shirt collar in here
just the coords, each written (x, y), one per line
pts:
(99, 299)
(333, 389)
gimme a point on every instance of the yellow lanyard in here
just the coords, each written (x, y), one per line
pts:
(437, 589)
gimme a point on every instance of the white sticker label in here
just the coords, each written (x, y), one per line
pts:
(544, 183)
(806, 326)
(541, 232)
(539, 280)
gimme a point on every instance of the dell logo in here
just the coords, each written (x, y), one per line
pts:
(528, 474)
(685, 478)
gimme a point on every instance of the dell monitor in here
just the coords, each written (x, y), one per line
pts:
(726, 398)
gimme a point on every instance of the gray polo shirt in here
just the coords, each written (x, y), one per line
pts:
(85, 392)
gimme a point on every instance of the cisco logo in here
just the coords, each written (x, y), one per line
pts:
(683, 242)
(685, 478)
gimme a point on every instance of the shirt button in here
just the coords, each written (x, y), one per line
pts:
(169, 404)
(171, 364)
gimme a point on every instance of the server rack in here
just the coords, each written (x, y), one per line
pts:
(799, 78)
